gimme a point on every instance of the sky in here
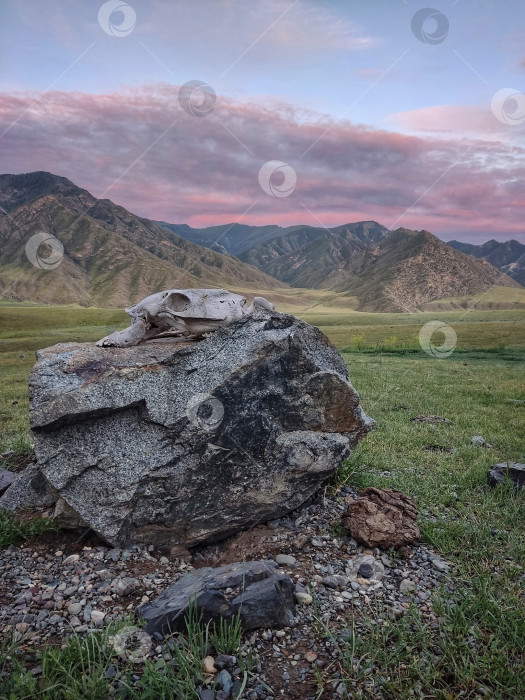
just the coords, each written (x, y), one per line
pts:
(320, 112)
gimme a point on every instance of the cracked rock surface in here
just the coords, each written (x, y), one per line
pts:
(382, 518)
(189, 442)
(255, 590)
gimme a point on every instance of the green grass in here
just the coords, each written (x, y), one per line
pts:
(89, 667)
(480, 639)
(14, 530)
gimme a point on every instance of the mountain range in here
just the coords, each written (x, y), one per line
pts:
(508, 256)
(386, 270)
(111, 256)
(114, 258)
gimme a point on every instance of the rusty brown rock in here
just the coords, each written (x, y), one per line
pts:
(382, 518)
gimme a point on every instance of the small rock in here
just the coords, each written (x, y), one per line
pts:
(74, 608)
(365, 570)
(439, 564)
(330, 582)
(111, 671)
(224, 660)
(406, 586)
(515, 472)
(285, 559)
(266, 601)
(303, 598)
(6, 479)
(477, 440)
(311, 656)
(225, 680)
(71, 559)
(209, 665)
(97, 617)
(382, 518)
(206, 694)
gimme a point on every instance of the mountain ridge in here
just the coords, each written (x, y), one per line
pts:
(113, 257)
(508, 256)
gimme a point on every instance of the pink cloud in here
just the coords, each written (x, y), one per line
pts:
(143, 151)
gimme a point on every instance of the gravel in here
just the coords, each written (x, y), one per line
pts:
(49, 591)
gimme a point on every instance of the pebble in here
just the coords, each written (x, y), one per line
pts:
(285, 559)
(97, 617)
(209, 665)
(74, 608)
(98, 586)
(365, 570)
(395, 613)
(225, 680)
(71, 559)
(439, 564)
(303, 598)
(206, 694)
(406, 586)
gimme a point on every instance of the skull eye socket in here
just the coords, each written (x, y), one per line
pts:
(176, 302)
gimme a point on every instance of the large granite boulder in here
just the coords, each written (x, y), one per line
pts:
(181, 442)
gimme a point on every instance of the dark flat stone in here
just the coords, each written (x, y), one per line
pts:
(263, 596)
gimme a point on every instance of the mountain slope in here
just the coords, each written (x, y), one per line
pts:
(313, 257)
(230, 238)
(410, 268)
(509, 257)
(387, 271)
(111, 257)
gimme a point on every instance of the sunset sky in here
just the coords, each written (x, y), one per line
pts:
(408, 114)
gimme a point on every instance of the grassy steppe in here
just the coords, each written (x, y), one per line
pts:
(477, 648)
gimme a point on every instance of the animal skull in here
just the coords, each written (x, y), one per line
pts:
(192, 312)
